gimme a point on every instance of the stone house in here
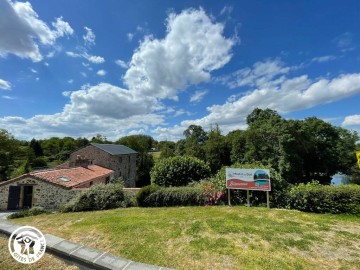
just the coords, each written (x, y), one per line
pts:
(50, 188)
(119, 158)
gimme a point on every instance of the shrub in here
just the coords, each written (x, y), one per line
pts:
(179, 171)
(28, 212)
(98, 197)
(317, 198)
(176, 196)
(144, 193)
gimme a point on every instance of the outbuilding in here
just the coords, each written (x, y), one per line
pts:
(50, 188)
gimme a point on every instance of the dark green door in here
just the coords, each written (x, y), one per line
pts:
(14, 197)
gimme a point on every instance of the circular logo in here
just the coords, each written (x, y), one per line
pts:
(27, 244)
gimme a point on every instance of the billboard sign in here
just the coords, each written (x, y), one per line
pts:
(248, 179)
(358, 157)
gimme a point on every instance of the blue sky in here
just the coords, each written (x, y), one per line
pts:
(79, 68)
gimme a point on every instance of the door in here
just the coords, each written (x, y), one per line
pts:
(28, 194)
(14, 197)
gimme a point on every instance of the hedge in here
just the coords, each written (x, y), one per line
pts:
(154, 196)
(317, 198)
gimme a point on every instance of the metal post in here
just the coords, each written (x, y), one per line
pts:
(229, 196)
(268, 199)
(248, 198)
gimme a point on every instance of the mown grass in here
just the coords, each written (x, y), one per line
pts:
(214, 237)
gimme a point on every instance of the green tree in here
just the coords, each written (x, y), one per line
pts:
(167, 149)
(179, 171)
(36, 147)
(195, 138)
(217, 152)
(9, 149)
(236, 140)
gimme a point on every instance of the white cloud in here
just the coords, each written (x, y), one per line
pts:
(101, 72)
(70, 81)
(62, 28)
(89, 38)
(121, 63)
(193, 47)
(5, 85)
(198, 96)
(27, 30)
(102, 108)
(352, 120)
(290, 95)
(8, 97)
(324, 59)
(130, 36)
(262, 74)
(91, 58)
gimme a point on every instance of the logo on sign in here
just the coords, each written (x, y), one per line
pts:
(27, 245)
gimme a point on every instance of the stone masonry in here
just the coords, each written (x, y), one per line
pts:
(123, 165)
(47, 195)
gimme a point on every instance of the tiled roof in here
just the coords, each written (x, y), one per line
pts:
(115, 149)
(72, 177)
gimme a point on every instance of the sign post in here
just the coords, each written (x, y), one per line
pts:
(249, 179)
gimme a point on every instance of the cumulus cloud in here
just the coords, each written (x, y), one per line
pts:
(101, 72)
(27, 30)
(352, 120)
(193, 47)
(89, 37)
(5, 85)
(198, 96)
(91, 110)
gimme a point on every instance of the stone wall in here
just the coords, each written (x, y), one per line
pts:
(123, 165)
(45, 195)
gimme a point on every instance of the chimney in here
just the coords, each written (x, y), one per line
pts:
(82, 161)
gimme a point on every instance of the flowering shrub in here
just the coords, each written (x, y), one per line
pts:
(214, 199)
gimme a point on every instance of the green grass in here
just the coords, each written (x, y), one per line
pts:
(214, 237)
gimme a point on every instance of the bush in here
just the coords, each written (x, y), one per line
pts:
(142, 195)
(28, 212)
(176, 196)
(98, 197)
(179, 171)
(317, 198)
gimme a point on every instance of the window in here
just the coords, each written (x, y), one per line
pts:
(107, 180)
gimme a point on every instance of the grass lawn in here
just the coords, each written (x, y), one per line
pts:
(214, 237)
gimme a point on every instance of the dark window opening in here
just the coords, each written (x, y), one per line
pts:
(107, 180)
(91, 183)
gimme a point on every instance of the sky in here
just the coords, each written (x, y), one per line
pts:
(116, 68)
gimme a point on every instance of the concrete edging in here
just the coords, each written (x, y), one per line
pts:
(80, 255)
